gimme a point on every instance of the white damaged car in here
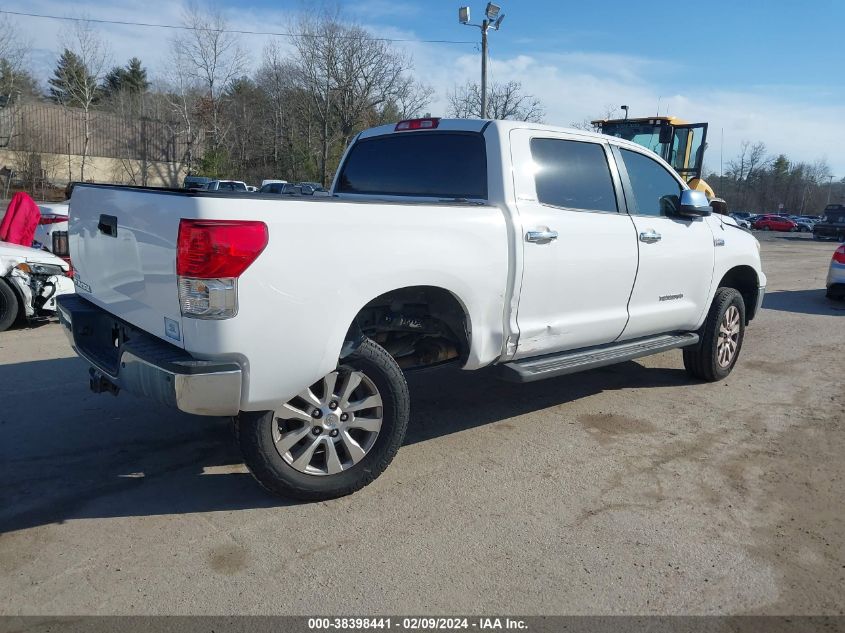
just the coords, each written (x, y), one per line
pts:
(30, 281)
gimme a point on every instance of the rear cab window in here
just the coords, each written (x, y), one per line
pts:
(438, 164)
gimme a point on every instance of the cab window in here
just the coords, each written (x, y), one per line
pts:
(572, 175)
(655, 190)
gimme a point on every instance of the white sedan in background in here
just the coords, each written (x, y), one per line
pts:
(30, 281)
(51, 233)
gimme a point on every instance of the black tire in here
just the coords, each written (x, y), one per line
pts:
(254, 432)
(701, 361)
(9, 306)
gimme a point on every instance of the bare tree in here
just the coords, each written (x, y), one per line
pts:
(505, 101)
(80, 89)
(211, 55)
(13, 56)
(291, 120)
(318, 54)
(370, 75)
(412, 97)
(182, 93)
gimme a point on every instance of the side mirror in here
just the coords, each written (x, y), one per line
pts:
(693, 204)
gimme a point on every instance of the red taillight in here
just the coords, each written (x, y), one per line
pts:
(209, 249)
(417, 124)
(839, 255)
(52, 219)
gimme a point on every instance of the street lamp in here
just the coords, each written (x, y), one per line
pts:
(493, 17)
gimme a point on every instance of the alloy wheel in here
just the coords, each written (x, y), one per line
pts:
(331, 426)
(728, 342)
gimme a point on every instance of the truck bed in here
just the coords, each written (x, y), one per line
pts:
(326, 258)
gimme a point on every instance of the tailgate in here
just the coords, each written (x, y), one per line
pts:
(123, 248)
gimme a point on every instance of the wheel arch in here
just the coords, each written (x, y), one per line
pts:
(443, 305)
(745, 280)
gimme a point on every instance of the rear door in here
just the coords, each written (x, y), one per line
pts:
(123, 248)
(579, 249)
(676, 255)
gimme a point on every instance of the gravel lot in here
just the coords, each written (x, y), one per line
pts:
(624, 490)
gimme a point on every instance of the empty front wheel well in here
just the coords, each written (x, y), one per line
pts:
(420, 326)
(744, 280)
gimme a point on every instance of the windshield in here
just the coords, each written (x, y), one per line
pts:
(643, 134)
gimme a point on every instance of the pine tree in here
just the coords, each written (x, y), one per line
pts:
(131, 78)
(135, 77)
(71, 80)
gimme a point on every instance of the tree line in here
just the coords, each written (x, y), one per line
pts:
(291, 117)
(759, 182)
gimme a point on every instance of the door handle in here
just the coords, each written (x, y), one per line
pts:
(108, 225)
(650, 237)
(540, 236)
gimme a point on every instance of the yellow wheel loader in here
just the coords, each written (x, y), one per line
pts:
(679, 143)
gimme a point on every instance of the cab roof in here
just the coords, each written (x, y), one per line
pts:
(502, 127)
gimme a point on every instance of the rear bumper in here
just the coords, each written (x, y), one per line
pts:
(835, 275)
(124, 357)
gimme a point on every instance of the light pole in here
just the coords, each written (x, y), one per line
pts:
(492, 18)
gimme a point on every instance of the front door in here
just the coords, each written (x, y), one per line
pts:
(579, 247)
(676, 254)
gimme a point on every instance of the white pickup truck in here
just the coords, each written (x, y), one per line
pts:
(541, 250)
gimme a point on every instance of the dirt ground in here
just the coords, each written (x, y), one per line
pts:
(626, 490)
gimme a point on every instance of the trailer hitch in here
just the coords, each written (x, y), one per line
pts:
(100, 384)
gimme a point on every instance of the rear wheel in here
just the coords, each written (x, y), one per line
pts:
(721, 338)
(334, 437)
(9, 306)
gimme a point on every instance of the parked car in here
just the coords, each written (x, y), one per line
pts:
(195, 182)
(742, 215)
(462, 242)
(312, 189)
(804, 225)
(832, 224)
(225, 185)
(774, 223)
(836, 275)
(51, 233)
(30, 281)
(740, 219)
(271, 181)
(281, 188)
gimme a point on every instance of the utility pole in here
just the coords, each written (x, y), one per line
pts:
(829, 189)
(484, 26)
(492, 18)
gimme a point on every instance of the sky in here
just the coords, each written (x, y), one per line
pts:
(755, 71)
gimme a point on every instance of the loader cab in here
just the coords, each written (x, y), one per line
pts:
(679, 143)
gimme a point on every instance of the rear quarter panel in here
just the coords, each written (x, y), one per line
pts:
(325, 260)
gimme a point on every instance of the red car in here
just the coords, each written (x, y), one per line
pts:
(774, 223)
